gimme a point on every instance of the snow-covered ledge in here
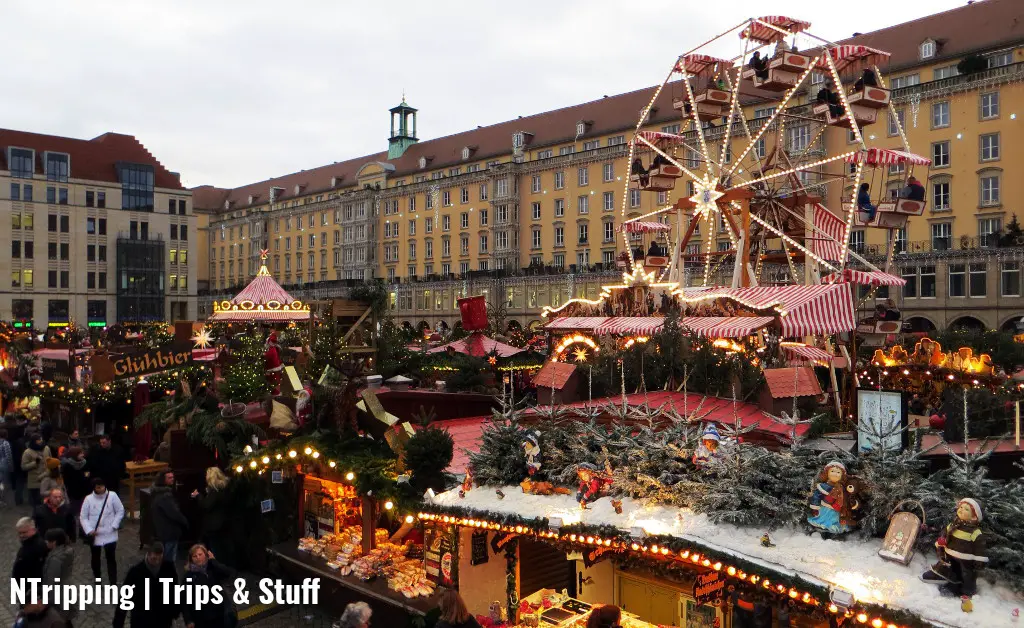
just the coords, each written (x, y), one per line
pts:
(852, 565)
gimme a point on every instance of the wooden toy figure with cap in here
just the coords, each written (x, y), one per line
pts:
(962, 552)
(272, 362)
(708, 448)
(531, 447)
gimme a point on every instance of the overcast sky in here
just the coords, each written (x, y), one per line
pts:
(232, 92)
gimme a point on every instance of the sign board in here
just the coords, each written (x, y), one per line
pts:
(881, 420)
(56, 370)
(478, 548)
(708, 587)
(291, 380)
(277, 477)
(441, 554)
(898, 545)
(167, 357)
(267, 505)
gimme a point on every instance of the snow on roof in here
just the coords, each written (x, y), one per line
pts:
(851, 564)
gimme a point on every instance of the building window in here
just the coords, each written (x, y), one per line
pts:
(483, 244)
(483, 217)
(764, 112)
(558, 261)
(990, 147)
(428, 225)
(483, 191)
(136, 187)
(978, 274)
(928, 284)
(545, 154)
(583, 177)
(940, 114)
(464, 245)
(988, 231)
(559, 180)
(559, 207)
(22, 165)
(609, 201)
(608, 172)
(535, 184)
(799, 138)
(1000, 59)
(957, 280)
(51, 195)
(567, 150)
(464, 220)
(101, 199)
(634, 198)
(446, 247)
(942, 236)
(583, 204)
(535, 242)
(901, 116)
(940, 154)
(463, 268)
(990, 105)
(990, 190)
(428, 249)
(446, 223)
(857, 240)
(940, 196)
(57, 167)
(584, 233)
(943, 73)
(927, 49)
(535, 210)
(910, 288)
(447, 198)
(559, 236)
(609, 231)
(901, 240)
(1009, 285)
(412, 250)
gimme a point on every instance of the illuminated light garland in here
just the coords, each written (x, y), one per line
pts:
(568, 341)
(654, 551)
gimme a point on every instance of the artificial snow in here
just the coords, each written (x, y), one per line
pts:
(852, 564)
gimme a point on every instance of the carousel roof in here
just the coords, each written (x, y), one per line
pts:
(478, 346)
(262, 300)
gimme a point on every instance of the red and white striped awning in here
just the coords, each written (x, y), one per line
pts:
(640, 226)
(849, 55)
(805, 310)
(575, 323)
(631, 325)
(262, 300)
(757, 31)
(828, 235)
(661, 139)
(819, 357)
(887, 157)
(700, 65)
(724, 326)
(865, 278)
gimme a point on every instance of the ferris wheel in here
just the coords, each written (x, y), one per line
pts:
(775, 208)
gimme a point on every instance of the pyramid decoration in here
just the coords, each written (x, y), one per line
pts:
(262, 300)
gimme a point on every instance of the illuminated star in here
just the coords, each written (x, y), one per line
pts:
(579, 355)
(705, 196)
(492, 360)
(202, 339)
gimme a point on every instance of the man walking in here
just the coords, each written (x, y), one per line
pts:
(32, 553)
(106, 462)
(148, 573)
(169, 525)
(55, 512)
(101, 516)
(6, 464)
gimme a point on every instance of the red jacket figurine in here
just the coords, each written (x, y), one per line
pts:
(272, 363)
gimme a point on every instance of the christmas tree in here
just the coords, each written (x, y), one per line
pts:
(245, 379)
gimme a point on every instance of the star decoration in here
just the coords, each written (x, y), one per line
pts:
(203, 339)
(492, 360)
(706, 195)
(579, 355)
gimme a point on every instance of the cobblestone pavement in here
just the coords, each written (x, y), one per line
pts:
(128, 553)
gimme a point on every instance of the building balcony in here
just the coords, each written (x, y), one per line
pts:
(960, 83)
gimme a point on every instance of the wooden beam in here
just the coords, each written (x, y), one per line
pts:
(368, 311)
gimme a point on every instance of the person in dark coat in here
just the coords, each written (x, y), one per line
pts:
(40, 616)
(76, 477)
(58, 567)
(214, 502)
(107, 462)
(169, 525)
(152, 569)
(32, 553)
(18, 477)
(55, 513)
(204, 570)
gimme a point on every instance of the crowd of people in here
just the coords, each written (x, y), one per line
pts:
(75, 495)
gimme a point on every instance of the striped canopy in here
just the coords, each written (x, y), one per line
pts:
(757, 31)
(581, 323)
(865, 278)
(661, 139)
(802, 352)
(700, 65)
(262, 300)
(631, 325)
(850, 55)
(887, 157)
(724, 326)
(828, 235)
(644, 227)
(478, 346)
(806, 310)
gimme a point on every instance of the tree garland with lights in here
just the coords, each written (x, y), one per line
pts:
(245, 379)
(117, 391)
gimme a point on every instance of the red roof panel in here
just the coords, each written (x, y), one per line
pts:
(798, 381)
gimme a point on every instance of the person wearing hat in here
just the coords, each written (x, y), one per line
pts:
(913, 191)
(834, 500)
(961, 550)
(272, 362)
(531, 447)
(708, 448)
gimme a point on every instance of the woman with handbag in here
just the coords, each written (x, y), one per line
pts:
(100, 518)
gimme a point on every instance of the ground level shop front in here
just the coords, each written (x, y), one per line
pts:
(532, 581)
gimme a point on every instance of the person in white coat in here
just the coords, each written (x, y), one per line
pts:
(101, 517)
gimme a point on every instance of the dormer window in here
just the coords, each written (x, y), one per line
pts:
(467, 152)
(518, 140)
(276, 193)
(58, 166)
(251, 199)
(227, 205)
(927, 49)
(298, 189)
(423, 162)
(335, 181)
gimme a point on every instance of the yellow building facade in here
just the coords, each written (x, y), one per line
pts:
(529, 209)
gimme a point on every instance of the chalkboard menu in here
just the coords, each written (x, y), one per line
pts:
(478, 547)
(441, 554)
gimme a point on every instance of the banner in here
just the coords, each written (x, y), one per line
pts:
(167, 357)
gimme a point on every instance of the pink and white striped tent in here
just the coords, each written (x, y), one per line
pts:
(804, 353)
(887, 157)
(849, 55)
(757, 31)
(644, 227)
(478, 346)
(262, 300)
(828, 235)
(865, 278)
(803, 310)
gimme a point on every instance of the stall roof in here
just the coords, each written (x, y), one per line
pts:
(554, 375)
(467, 434)
(478, 346)
(790, 382)
(711, 326)
(806, 310)
(865, 278)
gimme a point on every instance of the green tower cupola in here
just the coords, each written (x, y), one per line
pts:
(403, 130)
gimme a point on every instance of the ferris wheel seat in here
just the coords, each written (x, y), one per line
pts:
(790, 62)
(882, 220)
(871, 97)
(716, 96)
(778, 80)
(654, 183)
(910, 207)
(862, 114)
(666, 170)
(652, 262)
